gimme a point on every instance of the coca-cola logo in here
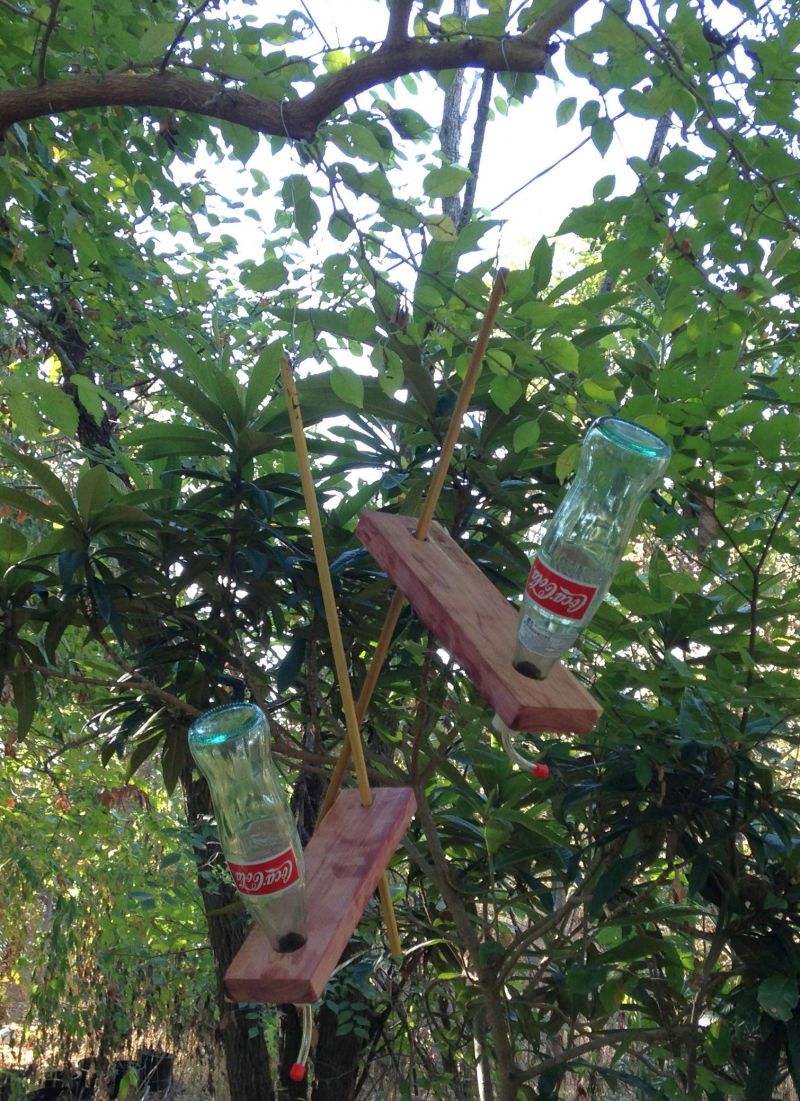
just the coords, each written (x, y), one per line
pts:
(266, 877)
(558, 594)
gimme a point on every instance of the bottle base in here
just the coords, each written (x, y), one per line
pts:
(528, 669)
(290, 942)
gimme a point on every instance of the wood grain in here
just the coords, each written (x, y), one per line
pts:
(344, 861)
(475, 624)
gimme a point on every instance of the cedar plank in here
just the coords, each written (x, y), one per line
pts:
(475, 623)
(344, 861)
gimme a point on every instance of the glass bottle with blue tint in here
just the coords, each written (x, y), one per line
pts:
(620, 463)
(230, 745)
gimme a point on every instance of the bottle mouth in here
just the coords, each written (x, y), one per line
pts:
(224, 723)
(633, 437)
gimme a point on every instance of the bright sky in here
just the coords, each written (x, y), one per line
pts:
(521, 144)
(518, 146)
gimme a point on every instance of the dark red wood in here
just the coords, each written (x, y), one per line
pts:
(475, 624)
(344, 861)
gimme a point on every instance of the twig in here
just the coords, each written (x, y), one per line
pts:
(316, 25)
(135, 680)
(24, 14)
(48, 30)
(751, 645)
(605, 1039)
(544, 171)
(181, 31)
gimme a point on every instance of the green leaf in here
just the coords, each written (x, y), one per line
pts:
(25, 416)
(156, 441)
(541, 265)
(44, 478)
(505, 391)
(361, 323)
(262, 376)
(348, 386)
(155, 40)
(25, 502)
(93, 492)
(565, 110)
(526, 435)
(353, 503)
(289, 669)
(778, 995)
(194, 398)
(296, 194)
(561, 352)
(25, 700)
(13, 545)
(441, 183)
(567, 461)
(357, 140)
(602, 134)
(173, 758)
(89, 397)
(604, 187)
(59, 409)
(268, 276)
(764, 1066)
(441, 227)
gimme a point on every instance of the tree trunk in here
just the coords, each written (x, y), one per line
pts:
(336, 1060)
(450, 130)
(241, 1035)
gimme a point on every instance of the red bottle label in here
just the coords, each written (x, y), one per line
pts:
(266, 877)
(558, 594)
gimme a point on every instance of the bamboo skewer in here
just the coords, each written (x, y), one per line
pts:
(353, 722)
(355, 712)
(423, 526)
(326, 585)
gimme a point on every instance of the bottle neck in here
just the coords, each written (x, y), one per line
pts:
(603, 501)
(230, 746)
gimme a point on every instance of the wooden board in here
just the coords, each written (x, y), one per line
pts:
(475, 624)
(344, 861)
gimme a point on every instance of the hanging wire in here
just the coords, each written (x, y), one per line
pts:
(538, 769)
(297, 1071)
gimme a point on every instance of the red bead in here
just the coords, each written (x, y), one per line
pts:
(297, 1072)
(540, 771)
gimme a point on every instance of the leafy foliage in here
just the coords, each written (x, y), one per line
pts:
(632, 921)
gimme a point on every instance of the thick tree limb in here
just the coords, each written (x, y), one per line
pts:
(297, 118)
(551, 21)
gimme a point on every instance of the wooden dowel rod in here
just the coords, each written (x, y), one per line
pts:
(424, 522)
(464, 399)
(389, 917)
(368, 687)
(325, 583)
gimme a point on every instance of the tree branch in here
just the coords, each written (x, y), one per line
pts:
(399, 15)
(51, 23)
(551, 21)
(23, 14)
(297, 118)
(605, 1039)
(478, 137)
(182, 31)
(132, 680)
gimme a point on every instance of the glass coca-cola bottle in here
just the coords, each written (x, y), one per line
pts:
(620, 463)
(230, 745)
